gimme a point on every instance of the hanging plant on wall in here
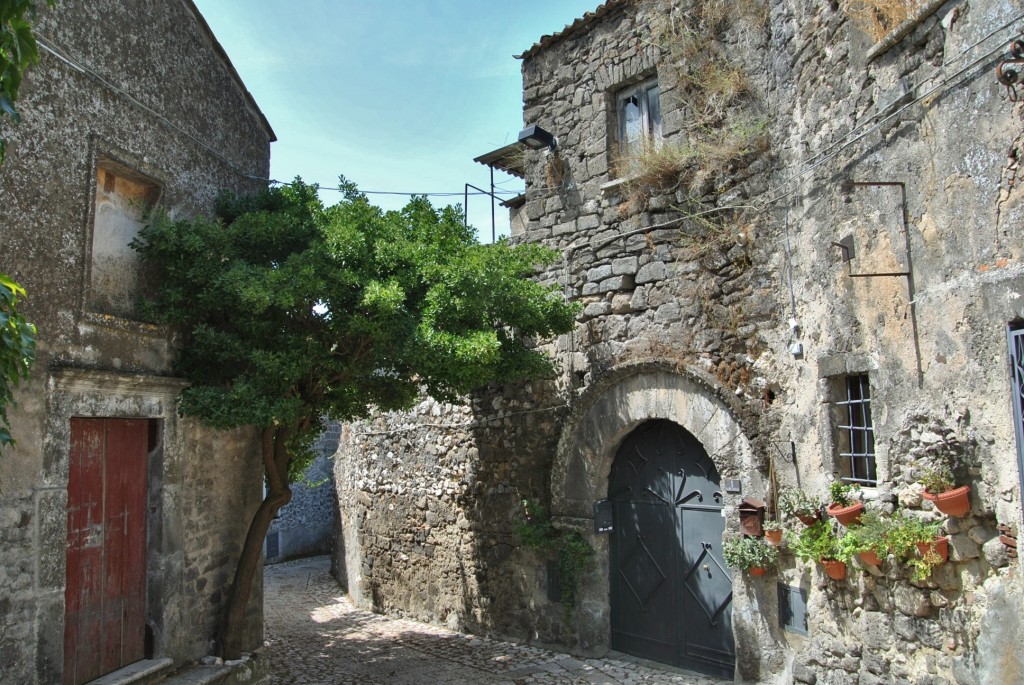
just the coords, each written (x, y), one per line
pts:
(845, 506)
(572, 554)
(821, 543)
(941, 490)
(796, 502)
(750, 554)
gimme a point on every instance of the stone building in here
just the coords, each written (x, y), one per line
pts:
(120, 522)
(796, 239)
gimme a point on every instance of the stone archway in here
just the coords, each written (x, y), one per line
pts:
(609, 411)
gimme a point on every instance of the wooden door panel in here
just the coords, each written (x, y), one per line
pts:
(106, 583)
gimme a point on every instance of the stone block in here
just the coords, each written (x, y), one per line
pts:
(649, 273)
(963, 547)
(912, 601)
(804, 674)
(624, 266)
(667, 313)
(622, 303)
(566, 228)
(982, 534)
(588, 222)
(597, 309)
(876, 629)
(995, 553)
(639, 299)
(616, 283)
(599, 273)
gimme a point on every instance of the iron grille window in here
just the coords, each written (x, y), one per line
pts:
(1016, 344)
(856, 438)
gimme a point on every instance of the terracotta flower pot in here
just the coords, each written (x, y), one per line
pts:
(940, 545)
(954, 503)
(774, 537)
(757, 570)
(870, 558)
(836, 570)
(847, 516)
(808, 519)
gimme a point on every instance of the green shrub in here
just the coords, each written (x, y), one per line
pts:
(747, 552)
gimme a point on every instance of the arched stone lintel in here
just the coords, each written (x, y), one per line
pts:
(626, 397)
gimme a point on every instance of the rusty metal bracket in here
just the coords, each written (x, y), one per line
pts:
(1008, 72)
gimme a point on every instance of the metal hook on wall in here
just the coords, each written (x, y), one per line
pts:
(1008, 72)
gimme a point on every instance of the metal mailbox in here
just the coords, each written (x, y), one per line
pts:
(751, 516)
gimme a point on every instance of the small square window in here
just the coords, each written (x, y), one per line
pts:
(638, 117)
(855, 435)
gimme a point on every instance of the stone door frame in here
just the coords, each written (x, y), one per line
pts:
(603, 416)
(77, 392)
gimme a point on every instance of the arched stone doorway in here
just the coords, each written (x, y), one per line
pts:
(671, 593)
(626, 398)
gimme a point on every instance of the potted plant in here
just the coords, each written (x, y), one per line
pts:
(918, 542)
(749, 554)
(845, 506)
(869, 540)
(820, 543)
(941, 490)
(773, 532)
(795, 502)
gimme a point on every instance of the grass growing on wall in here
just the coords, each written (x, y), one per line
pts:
(878, 17)
(723, 124)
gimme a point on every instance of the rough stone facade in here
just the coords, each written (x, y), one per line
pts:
(130, 100)
(722, 302)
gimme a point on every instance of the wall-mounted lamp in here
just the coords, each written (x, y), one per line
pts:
(536, 138)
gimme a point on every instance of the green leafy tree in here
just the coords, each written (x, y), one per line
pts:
(18, 52)
(17, 350)
(17, 336)
(290, 311)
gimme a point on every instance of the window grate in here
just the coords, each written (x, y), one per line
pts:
(1016, 344)
(856, 433)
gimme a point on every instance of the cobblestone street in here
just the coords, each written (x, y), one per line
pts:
(317, 637)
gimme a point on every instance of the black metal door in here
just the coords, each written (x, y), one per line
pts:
(671, 594)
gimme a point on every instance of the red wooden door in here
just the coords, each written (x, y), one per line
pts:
(105, 596)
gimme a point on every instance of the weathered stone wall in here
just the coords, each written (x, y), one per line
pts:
(722, 296)
(428, 501)
(197, 133)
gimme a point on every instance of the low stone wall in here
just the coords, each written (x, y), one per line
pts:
(428, 503)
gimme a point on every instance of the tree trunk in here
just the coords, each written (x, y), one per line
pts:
(275, 465)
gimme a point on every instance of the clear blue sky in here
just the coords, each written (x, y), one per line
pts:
(397, 95)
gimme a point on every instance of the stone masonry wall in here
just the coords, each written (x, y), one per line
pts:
(198, 134)
(728, 276)
(428, 501)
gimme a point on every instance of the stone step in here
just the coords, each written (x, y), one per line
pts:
(145, 672)
(198, 675)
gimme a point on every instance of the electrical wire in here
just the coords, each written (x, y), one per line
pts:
(76, 63)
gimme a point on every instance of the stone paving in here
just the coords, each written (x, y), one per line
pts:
(316, 637)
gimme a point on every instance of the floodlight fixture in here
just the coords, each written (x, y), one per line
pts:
(536, 138)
